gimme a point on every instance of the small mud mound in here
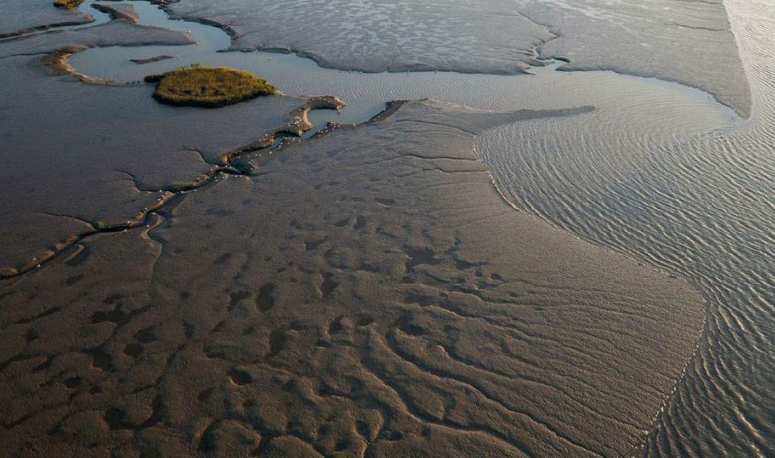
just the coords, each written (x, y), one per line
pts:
(208, 86)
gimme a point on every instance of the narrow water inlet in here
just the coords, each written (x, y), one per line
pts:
(680, 107)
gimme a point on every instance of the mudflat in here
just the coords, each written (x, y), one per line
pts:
(652, 39)
(367, 291)
(26, 16)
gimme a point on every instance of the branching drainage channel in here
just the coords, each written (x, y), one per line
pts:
(231, 164)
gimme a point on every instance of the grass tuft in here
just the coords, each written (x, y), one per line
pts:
(68, 4)
(210, 87)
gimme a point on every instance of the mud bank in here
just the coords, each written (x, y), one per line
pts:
(26, 16)
(114, 33)
(656, 39)
(367, 291)
(375, 295)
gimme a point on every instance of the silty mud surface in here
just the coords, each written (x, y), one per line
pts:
(28, 16)
(701, 208)
(663, 38)
(633, 117)
(366, 292)
(633, 105)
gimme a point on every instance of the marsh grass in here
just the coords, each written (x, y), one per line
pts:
(202, 86)
(69, 4)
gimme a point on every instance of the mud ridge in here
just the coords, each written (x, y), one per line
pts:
(58, 63)
(41, 28)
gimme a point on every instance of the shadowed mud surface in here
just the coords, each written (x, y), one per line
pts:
(399, 305)
(106, 151)
(25, 16)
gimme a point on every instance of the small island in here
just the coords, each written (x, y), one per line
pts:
(209, 87)
(68, 4)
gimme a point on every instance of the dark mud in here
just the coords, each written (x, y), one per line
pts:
(366, 292)
(27, 16)
(299, 328)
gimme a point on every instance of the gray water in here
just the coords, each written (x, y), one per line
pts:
(659, 171)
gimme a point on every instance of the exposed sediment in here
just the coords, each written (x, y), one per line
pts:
(57, 63)
(114, 33)
(22, 17)
(78, 172)
(119, 11)
(375, 297)
(297, 124)
(151, 59)
(653, 39)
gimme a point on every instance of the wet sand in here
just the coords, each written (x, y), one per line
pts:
(365, 292)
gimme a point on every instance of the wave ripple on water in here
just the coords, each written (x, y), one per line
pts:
(700, 207)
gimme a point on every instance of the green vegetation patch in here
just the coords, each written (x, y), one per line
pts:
(69, 4)
(202, 86)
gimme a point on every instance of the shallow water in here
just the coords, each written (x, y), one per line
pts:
(701, 208)
(659, 171)
(635, 99)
